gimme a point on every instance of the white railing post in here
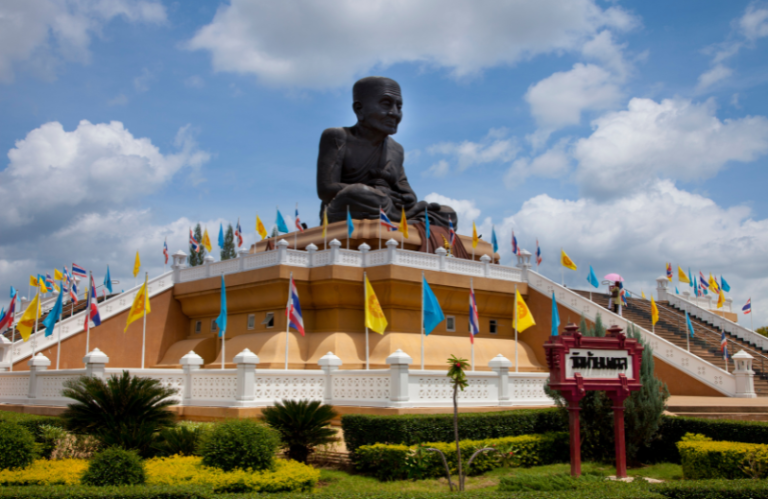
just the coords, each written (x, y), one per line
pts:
(500, 365)
(745, 376)
(179, 263)
(728, 307)
(335, 245)
(94, 361)
(486, 265)
(36, 364)
(282, 252)
(241, 254)
(5, 354)
(524, 257)
(391, 251)
(440, 252)
(662, 288)
(189, 363)
(329, 363)
(398, 371)
(246, 362)
(311, 250)
(364, 249)
(207, 261)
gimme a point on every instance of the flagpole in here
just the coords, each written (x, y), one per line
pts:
(472, 333)
(296, 233)
(37, 311)
(422, 320)
(288, 322)
(751, 313)
(325, 233)
(88, 315)
(13, 338)
(379, 226)
(353, 228)
(365, 297)
(517, 364)
(61, 315)
(144, 332)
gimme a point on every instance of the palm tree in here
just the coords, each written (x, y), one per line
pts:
(303, 425)
(123, 410)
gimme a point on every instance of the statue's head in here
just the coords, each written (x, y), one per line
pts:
(378, 103)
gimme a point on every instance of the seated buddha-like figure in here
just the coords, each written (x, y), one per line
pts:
(361, 167)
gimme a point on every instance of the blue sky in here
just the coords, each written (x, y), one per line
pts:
(628, 133)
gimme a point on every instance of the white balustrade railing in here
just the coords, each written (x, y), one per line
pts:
(248, 386)
(663, 350)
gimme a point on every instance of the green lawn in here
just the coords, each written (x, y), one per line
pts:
(332, 481)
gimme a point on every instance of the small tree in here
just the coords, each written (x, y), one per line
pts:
(197, 257)
(228, 251)
(302, 424)
(459, 381)
(762, 330)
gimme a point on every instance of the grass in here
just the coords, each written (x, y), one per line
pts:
(333, 481)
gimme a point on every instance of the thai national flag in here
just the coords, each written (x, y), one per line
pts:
(452, 232)
(724, 345)
(7, 320)
(515, 247)
(748, 307)
(73, 292)
(669, 271)
(194, 242)
(239, 234)
(78, 271)
(93, 307)
(165, 249)
(48, 279)
(474, 320)
(703, 281)
(293, 309)
(538, 253)
(385, 221)
(67, 275)
(298, 222)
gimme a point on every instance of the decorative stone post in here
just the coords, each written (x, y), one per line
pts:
(662, 287)
(364, 249)
(36, 364)
(524, 262)
(398, 371)
(311, 250)
(329, 363)
(207, 261)
(441, 254)
(246, 362)
(189, 363)
(745, 376)
(392, 251)
(282, 252)
(486, 260)
(179, 263)
(728, 307)
(5, 353)
(241, 254)
(335, 245)
(500, 365)
(94, 362)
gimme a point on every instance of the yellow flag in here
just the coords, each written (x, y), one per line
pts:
(720, 299)
(713, 284)
(523, 316)
(374, 315)
(475, 239)
(57, 276)
(642, 293)
(140, 304)
(27, 322)
(136, 265)
(404, 224)
(260, 228)
(41, 284)
(682, 276)
(325, 221)
(206, 242)
(56, 287)
(654, 312)
(566, 261)
(33, 281)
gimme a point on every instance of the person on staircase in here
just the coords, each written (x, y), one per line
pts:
(614, 303)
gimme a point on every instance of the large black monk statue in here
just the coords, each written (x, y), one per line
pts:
(361, 167)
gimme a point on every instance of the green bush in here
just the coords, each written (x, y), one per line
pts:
(410, 429)
(549, 483)
(706, 459)
(17, 446)
(399, 462)
(180, 440)
(240, 443)
(39, 426)
(125, 492)
(713, 489)
(115, 466)
(302, 424)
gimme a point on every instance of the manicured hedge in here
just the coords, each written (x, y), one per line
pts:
(399, 462)
(713, 489)
(723, 459)
(409, 429)
(31, 422)
(133, 492)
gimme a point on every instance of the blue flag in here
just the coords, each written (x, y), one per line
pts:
(426, 223)
(281, 227)
(13, 291)
(2, 314)
(54, 314)
(221, 236)
(688, 323)
(221, 320)
(592, 278)
(350, 225)
(433, 314)
(108, 281)
(494, 242)
(691, 282)
(555, 316)
(726, 287)
(676, 291)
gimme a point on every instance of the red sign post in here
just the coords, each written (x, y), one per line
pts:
(578, 364)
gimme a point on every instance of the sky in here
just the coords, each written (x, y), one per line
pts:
(628, 133)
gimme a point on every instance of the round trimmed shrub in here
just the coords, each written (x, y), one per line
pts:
(115, 466)
(240, 443)
(17, 446)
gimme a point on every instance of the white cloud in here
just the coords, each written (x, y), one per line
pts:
(466, 210)
(714, 75)
(318, 44)
(604, 49)
(754, 22)
(495, 147)
(676, 139)
(93, 166)
(554, 163)
(39, 32)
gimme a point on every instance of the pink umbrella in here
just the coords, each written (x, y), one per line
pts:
(614, 278)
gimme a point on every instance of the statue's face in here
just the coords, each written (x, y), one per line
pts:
(381, 109)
